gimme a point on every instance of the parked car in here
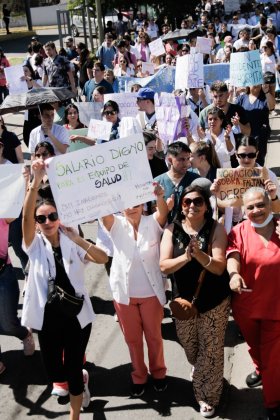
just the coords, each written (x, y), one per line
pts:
(77, 20)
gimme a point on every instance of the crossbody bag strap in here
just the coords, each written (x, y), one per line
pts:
(203, 272)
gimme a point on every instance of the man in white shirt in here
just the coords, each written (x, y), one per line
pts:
(243, 41)
(147, 115)
(55, 134)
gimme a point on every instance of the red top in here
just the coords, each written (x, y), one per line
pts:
(3, 63)
(260, 269)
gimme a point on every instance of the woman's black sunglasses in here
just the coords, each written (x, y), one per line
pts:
(41, 218)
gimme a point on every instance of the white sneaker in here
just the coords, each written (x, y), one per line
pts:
(28, 345)
(86, 393)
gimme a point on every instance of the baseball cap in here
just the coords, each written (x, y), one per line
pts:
(34, 38)
(145, 93)
(68, 39)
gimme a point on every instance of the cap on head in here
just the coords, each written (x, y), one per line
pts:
(34, 38)
(145, 93)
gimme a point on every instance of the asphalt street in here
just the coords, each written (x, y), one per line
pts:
(24, 390)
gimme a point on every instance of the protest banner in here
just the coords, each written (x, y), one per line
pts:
(157, 47)
(245, 69)
(126, 101)
(148, 68)
(12, 187)
(100, 180)
(77, 144)
(203, 45)
(88, 110)
(171, 112)
(189, 71)
(218, 71)
(235, 181)
(231, 5)
(13, 75)
(99, 129)
(162, 81)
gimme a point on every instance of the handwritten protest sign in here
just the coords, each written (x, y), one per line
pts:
(77, 144)
(99, 129)
(100, 180)
(189, 71)
(148, 68)
(203, 45)
(212, 72)
(89, 110)
(157, 47)
(235, 181)
(13, 75)
(126, 101)
(245, 69)
(12, 187)
(170, 112)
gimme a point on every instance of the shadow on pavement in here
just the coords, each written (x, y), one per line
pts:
(20, 44)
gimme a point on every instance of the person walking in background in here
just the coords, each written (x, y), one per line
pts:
(4, 91)
(6, 17)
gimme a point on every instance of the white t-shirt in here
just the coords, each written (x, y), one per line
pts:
(37, 136)
(221, 148)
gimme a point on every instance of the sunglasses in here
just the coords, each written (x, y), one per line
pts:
(197, 202)
(109, 113)
(246, 155)
(43, 154)
(41, 218)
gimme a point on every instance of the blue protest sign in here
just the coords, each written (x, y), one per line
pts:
(213, 72)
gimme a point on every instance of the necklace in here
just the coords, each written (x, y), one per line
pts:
(200, 238)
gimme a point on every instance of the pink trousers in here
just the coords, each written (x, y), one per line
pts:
(263, 338)
(143, 315)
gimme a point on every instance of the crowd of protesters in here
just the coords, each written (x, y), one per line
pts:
(187, 234)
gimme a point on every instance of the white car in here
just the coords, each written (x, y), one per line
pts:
(77, 20)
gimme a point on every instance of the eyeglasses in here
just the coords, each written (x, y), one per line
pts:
(43, 154)
(109, 112)
(246, 155)
(197, 202)
(41, 218)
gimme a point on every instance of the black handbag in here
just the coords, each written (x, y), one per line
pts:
(62, 301)
(269, 78)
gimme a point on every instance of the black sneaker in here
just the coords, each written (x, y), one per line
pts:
(160, 385)
(253, 380)
(273, 413)
(137, 390)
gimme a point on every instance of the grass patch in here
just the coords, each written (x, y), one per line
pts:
(16, 60)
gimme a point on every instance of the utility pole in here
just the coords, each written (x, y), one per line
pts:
(89, 25)
(28, 14)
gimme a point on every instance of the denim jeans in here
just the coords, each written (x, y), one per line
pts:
(15, 238)
(3, 93)
(9, 296)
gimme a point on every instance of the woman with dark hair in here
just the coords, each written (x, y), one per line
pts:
(31, 117)
(204, 159)
(122, 68)
(184, 253)
(57, 256)
(270, 65)
(220, 136)
(73, 123)
(157, 165)
(44, 150)
(110, 113)
(85, 65)
(258, 101)
(142, 46)
(4, 91)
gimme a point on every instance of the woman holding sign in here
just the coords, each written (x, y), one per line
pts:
(253, 265)
(246, 154)
(56, 302)
(138, 288)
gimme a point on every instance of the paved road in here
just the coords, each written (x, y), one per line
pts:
(24, 391)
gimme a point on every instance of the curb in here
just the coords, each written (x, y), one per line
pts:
(17, 35)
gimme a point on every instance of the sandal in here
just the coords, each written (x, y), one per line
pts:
(206, 410)
(2, 367)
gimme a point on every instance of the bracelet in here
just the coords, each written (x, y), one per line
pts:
(209, 262)
(274, 199)
(88, 248)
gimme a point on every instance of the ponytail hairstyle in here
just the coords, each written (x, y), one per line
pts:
(207, 149)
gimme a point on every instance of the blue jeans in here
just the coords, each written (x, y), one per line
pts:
(9, 296)
(3, 93)
(15, 238)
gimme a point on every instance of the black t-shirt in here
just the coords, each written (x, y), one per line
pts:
(214, 288)
(11, 142)
(158, 166)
